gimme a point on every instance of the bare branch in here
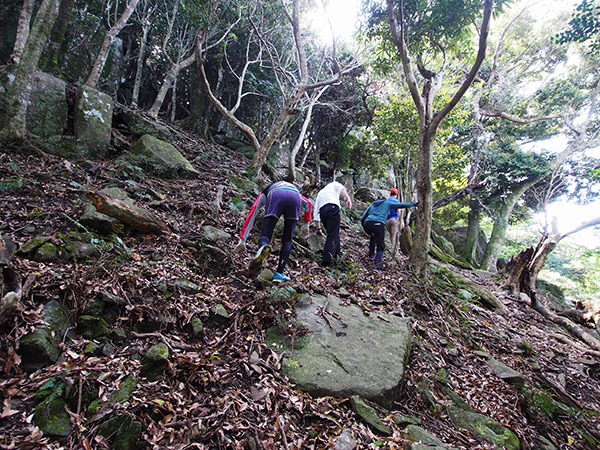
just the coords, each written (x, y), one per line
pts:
(519, 120)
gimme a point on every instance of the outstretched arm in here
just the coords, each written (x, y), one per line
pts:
(344, 194)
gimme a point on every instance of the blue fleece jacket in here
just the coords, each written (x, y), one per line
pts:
(379, 209)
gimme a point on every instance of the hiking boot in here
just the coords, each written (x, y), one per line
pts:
(258, 260)
(278, 276)
(376, 270)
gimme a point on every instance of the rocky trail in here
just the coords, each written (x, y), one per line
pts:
(185, 294)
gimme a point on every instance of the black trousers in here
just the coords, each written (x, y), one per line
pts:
(330, 217)
(286, 239)
(376, 230)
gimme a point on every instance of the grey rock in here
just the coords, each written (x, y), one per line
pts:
(369, 415)
(160, 158)
(506, 373)
(93, 122)
(348, 354)
(345, 441)
(47, 110)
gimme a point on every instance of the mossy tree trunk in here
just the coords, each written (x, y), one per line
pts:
(20, 89)
(52, 54)
(22, 31)
(473, 228)
(490, 256)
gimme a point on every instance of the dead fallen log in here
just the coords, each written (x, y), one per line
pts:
(134, 216)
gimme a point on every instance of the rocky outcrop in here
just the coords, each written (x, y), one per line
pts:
(346, 352)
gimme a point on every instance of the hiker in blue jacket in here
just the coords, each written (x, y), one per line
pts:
(373, 222)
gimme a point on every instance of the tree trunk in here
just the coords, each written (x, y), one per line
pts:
(167, 83)
(96, 71)
(526, 266)
(50, 63)
(135, 97)
(20, 90)
(470, 251)
(490, 256)
(22, 31)
(300, 140)
(260, 156)
(429, 122)
(422, 235)
(174, 101)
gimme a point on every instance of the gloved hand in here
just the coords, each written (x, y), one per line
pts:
(241, 246)
(305, 231)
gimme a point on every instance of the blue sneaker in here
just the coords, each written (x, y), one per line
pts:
(278, 276)
(258, 260)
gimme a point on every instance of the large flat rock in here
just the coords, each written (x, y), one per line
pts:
(347, 352)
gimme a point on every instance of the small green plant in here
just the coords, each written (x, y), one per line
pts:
(237, 204)
(11, 184)
(542, 400)
(52, 388)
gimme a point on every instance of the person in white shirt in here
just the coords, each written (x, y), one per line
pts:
(327, 210)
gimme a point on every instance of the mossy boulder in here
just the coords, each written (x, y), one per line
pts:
(122, 432)
(47, 110)
(93, 122)
(30, 247)
(197, 327)
(139, 125)
(47, 253)
(160, 158)
(42, 346)
(93, 327)
(126, 389)
(155, 361)
(219, 315)
(369, 415)
(485, 427)
(421, 439)
(215, 235)
(51, 417)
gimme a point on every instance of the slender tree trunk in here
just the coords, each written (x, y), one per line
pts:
(167, 83)
(174, 101)
(300, 140)
(318, 163)
(20, 90)
(96, 71)
(57, 37)
(260, 156)
(470, 251)
(490, 256)
(135, 97)
(22, 31)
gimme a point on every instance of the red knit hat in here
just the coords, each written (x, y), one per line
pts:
(394, 191)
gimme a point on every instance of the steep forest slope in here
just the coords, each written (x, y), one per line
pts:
(222, 386)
